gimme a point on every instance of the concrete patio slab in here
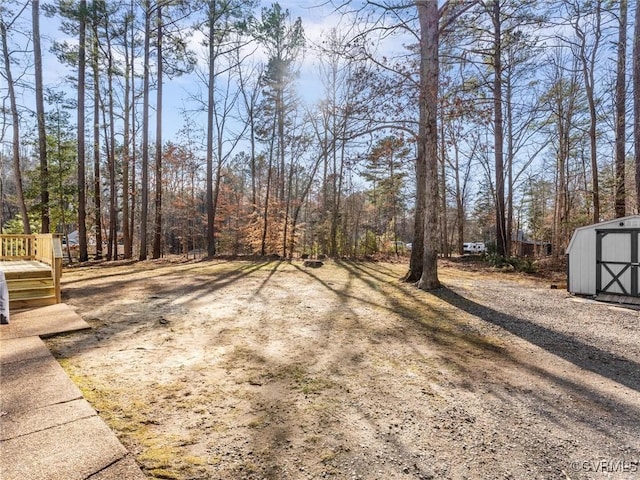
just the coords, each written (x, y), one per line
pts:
(34, 383)
(127, 468)
(88, 447)
(47, 430)
(20, 349)
(43, 322)
(23, 423)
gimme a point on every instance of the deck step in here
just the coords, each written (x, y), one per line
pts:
(32, 282)
(27, 274)
(36, 289)
(24, 303)
(34, 292)
(29, 283)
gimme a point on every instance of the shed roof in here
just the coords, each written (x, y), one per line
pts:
(634, 220)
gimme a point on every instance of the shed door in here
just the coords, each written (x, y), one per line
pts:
(617, 262)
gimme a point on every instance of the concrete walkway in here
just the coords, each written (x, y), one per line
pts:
(47, 430)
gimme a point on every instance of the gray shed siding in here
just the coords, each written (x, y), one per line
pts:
(582, 262)
(582, 252)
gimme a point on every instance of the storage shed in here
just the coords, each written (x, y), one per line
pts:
(603, 260)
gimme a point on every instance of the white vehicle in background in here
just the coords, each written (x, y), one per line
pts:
(474, 247)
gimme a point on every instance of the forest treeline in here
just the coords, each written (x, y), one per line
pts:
(429, 123)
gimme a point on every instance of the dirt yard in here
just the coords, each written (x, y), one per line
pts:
(270, 370)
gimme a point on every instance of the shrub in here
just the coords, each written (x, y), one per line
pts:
(525, 265)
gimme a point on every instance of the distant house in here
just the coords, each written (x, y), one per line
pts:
(521, 246)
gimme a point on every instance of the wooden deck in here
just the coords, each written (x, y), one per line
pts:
(19, 267)
(32, 266)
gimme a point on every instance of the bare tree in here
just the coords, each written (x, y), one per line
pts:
(250, 92)
(342, 75)
(157, 236)
(129, 128)
(432, 22)
(587, 57)
(107, 106)
(211, 244)
(144, 208)
(620, 111)
(97, 187)
(225, 41)
(15, 123)
(561, 101)
(42, 135)
(498, 130)
(82, 188)
(428, 138)
(636, 99)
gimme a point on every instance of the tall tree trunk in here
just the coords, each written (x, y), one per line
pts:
(429, 77)
(42, 134)
(561, 188)
(459, 201)
(17, 170)
(444, 228)
(417, 246)
(265, 214)
(595, 185)
(323, 201)
(337, 187)
(286, 214)
(97, 188)
(144, 208)
(249, 99)
(216, 189)
(636, 100)
(157, 237)
(565, 108)
(510, 154)
(112, 249)
(281, 142)
(498, 132)
(621, 97)
(423, 261)
(252, 142)
(82, 189)
(336, 179)
(126, 233)
(109, 153)
(298, 207)
(211, 244)
(134, 195)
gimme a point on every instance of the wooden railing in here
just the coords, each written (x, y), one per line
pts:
(45, 248)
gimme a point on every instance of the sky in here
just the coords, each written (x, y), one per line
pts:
(317, 18)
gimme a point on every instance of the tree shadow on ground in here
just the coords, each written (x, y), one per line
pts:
(160, 292)
(435, 323)
(465, 345)
(584, 355)
(576, 351)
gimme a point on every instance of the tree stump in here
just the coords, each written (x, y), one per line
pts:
(313, 263)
